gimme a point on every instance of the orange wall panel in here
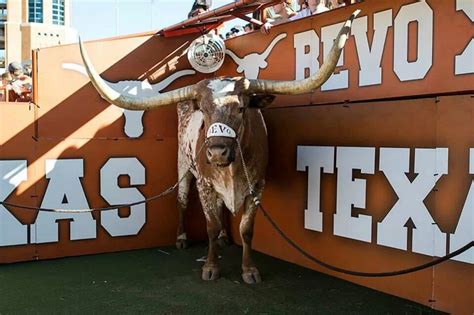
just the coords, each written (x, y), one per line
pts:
(413, 124)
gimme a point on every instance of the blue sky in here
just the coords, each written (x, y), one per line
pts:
(106, 18)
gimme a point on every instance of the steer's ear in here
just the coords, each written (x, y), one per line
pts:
(261, 100)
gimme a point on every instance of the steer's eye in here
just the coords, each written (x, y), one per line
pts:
(241, 110)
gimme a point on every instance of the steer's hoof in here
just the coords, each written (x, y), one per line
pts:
(210, 273)
(181, 244)
(251, 275)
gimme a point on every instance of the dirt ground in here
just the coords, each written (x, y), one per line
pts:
(167, 281)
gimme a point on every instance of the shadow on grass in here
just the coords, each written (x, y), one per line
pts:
(167, 281)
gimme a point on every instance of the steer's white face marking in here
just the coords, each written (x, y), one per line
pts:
(221, 88)
(222, 101)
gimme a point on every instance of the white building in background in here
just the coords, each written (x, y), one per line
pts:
(32, 24)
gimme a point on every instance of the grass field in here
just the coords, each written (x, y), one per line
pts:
(167, 281)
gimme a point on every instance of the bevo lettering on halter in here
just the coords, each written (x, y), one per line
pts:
(220, 130)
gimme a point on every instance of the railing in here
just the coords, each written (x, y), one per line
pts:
(8, 95)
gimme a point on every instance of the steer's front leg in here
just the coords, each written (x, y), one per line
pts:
(183, 191)
(209, 202)
(250, 273)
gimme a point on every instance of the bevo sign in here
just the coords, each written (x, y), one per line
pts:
(370, 52)
(396, 49)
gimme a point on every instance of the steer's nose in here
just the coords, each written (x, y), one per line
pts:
(220, 155)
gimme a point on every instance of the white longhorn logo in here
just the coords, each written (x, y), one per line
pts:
(133, 118)
(252, 63)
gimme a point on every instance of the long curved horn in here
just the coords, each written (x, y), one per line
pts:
(131, 102)
(313, 82)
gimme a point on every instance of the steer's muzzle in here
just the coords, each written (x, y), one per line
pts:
(220, 154)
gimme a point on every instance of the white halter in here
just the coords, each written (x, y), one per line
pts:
(220, 130)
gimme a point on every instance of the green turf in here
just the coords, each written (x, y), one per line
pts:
(167, 281)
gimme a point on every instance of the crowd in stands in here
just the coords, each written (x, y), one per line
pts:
(286, 10)
(16, 85)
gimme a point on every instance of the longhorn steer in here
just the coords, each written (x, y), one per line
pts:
(217, 115)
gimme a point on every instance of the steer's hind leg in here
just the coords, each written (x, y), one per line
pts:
(182, 203)
(209, 202)
(250, 273)
(223, 238)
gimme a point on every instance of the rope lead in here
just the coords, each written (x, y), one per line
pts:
(112, 207)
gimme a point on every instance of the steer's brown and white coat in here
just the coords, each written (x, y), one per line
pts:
(215, 115)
